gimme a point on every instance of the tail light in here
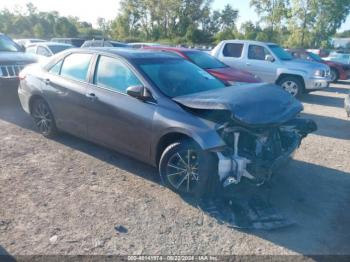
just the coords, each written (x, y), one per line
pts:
(22, 75)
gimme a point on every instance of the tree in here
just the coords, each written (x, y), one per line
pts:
(272, 13)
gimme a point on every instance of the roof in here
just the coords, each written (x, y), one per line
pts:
(130, 53)
(168, 48)
(248, 42)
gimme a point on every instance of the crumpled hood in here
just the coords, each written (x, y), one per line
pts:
(251, 104)
(17, 58)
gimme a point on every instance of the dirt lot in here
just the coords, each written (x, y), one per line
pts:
(66, 196)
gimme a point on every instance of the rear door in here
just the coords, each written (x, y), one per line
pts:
(117, 120)
(66, 88)
(232, 54)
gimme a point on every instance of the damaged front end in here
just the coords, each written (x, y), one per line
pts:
(256, 153)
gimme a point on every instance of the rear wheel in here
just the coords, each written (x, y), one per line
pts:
(185, 168)
(334, 75)
(43, 118)
(292, 85)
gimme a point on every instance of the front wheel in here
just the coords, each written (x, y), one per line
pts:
(292, 85)
(43, 118)
(185, 168)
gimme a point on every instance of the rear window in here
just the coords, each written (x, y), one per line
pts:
(233, 50)
(205, 60)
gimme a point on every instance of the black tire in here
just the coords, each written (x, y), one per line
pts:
(334, 75)
(292, 85)
(174, 170)
(43, 118)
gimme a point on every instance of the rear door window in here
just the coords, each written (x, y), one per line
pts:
(233, 50)
(114, 75)
(76, 66)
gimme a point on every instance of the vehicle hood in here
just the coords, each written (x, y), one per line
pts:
(251, 104)
(304, 64)
(233, 74)
(17, 58)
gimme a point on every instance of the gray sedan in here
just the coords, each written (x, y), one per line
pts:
(167, 112)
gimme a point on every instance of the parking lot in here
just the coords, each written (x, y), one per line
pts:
(68, 196)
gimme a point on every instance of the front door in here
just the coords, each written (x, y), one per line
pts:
(116, 119)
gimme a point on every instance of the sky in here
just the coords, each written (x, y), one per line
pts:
(90, 10)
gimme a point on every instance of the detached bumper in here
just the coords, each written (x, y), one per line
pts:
(317, 83)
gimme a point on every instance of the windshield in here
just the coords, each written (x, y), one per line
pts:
(315, 57)
(204, 60)
(7, 45)
(58, 48)
(280, 52)
(179, 77)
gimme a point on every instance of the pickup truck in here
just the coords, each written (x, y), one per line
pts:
(274, 65)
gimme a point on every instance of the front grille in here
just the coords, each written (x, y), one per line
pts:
(10, 71)
(327, 73)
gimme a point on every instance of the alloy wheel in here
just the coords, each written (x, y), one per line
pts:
(291, 87)
(182, 170)
(43, 118)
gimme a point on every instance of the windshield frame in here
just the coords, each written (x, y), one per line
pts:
(281, 53)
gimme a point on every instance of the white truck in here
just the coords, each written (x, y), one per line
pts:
(274, 65)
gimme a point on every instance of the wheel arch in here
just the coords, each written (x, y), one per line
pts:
(285, 75)
(32, 99)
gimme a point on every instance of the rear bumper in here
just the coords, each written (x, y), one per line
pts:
(24, 99)
(316, 83)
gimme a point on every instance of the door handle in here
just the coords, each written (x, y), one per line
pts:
(47, 81)
(91, 96)
(248, 64)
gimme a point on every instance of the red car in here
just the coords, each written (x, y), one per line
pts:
(229, 75)
(339, 71)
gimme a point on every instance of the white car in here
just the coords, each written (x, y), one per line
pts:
(274, 65)
(47, 49)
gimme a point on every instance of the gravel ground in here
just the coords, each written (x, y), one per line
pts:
(68, 196)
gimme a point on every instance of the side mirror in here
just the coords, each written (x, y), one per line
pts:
(138, 92)
(269, 58)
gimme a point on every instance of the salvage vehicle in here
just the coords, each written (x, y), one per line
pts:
(47, 49)
(12, 61)
(167, 112)
(339, 71)
(273, 65)
(229, 75)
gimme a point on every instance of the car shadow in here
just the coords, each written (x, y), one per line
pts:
(317, 198)
(331, 126)
(323, 100)
(337, 90)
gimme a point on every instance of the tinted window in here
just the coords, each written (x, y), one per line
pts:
(233, 50)
(43, 51)
(114, 75)
(56, 68)
(76, 66)
(257, 52)
(175, 77)
(204, 60)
